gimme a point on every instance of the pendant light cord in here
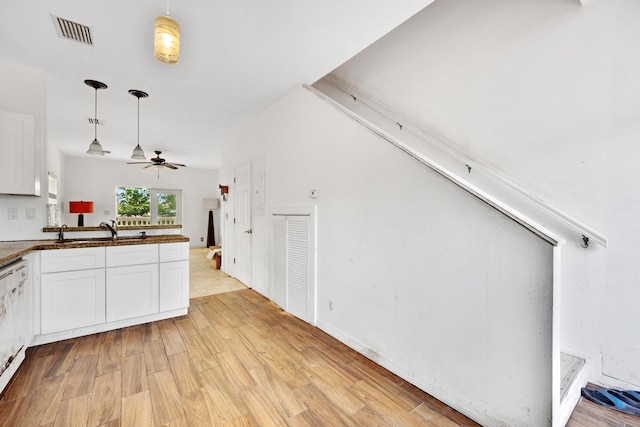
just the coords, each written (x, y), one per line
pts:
(138, 122)
(95, 117)
(167, 7)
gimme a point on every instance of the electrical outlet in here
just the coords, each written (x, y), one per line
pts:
(31, 213)
(202, 239)
(13, 213)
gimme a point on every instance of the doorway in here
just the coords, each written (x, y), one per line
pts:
(242, 230)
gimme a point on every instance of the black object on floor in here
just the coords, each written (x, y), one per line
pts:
(611, 398)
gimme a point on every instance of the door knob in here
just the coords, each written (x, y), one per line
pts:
(249, 231)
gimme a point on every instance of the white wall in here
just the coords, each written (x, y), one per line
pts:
(97, 179)
(23, 90)
(545, 93)
(424, 278)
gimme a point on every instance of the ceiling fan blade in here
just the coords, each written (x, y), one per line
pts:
(169, 165)
(148, 166)
(139, 163)
(179, 164)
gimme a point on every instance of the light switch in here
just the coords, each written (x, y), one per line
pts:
(13, 213)
(31, 213)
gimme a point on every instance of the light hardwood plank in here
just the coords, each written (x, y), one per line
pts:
(73, 412)
(184, 373)
(155, 357)
(171, 338)
(198, 409)
(81, 377)
(134, 375)
(106, 399)
(165, 399)
(136, 410)
(133, 340)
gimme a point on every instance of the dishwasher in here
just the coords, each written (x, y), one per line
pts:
(13, 317)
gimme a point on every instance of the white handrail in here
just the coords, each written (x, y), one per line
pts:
(517, 204)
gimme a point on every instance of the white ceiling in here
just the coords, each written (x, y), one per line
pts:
(237, 57)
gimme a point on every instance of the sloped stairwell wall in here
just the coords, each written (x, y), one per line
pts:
(544, 93)
(425, 278)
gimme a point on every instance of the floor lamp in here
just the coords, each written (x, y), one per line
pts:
(211, 205)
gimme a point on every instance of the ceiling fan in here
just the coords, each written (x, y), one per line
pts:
(158, 162)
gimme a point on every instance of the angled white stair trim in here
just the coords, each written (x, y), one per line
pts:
(435, 152)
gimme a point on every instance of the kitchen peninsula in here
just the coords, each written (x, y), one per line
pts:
(88, 283)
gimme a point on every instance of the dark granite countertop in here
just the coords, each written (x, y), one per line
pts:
(13, 250)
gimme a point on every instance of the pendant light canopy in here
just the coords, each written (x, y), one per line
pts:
(95, 148)
(166, 42)
(138, 153)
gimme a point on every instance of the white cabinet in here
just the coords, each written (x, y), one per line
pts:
(71, 259)
(174, 285)
(21, 170)
(84, 290)
(174, 276)
(118, 256)
(132, 291)
(72, 289)
(72, 299)
(132, 281)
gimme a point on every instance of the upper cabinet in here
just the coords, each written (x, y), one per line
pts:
(20, 153)
(23, 129)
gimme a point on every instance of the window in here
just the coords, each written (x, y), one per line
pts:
(148, 206)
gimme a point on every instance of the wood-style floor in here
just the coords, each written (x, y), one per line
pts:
(590, 414)
(235, 360)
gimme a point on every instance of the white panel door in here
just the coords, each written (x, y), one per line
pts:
(72, 299)
(132, 291)
(174, 285)
(19, 173)
(242, 223)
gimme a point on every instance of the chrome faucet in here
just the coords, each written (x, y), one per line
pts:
(61, 232)
(113, 228)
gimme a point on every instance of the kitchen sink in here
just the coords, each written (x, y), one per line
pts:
(101, 239)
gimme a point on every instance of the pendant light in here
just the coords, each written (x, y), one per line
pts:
(138, 154)
(95, 148)
(166, 41)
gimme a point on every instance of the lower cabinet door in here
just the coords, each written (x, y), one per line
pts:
(174, 285)
(132, 291)
(72, 299)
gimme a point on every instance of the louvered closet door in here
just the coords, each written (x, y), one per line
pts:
(291, 264)
(280, 260)
(298, 266)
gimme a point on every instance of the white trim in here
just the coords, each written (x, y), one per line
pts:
(448, 397)
(103, 327)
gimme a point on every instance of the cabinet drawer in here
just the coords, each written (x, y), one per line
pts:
(132, 255)
(56, 260)
(174, 251)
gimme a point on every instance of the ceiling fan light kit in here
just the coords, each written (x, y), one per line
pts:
(95, 148)
(138, 153)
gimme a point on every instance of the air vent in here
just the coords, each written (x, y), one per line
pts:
(96, 121)
(72, 30)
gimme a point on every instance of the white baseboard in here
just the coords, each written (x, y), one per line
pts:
(448, 397)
